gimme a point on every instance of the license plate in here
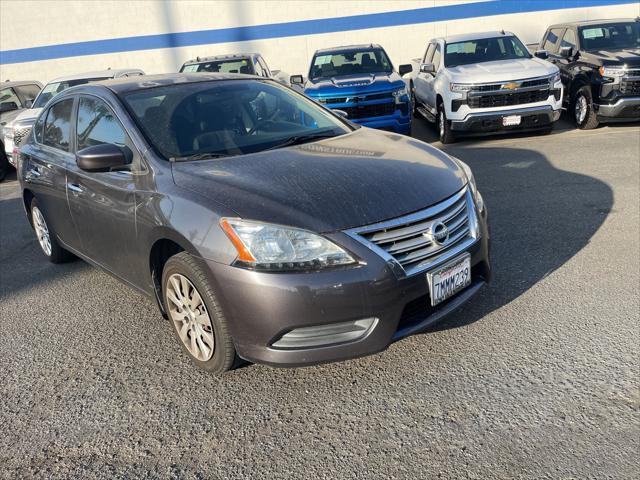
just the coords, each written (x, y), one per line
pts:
(449, 279)
(511, 120)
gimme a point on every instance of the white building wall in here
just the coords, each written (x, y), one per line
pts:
(54, 22)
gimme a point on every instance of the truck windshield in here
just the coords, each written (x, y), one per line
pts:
(235, 65)
(222, 118)
(52, 89)
(610, 36)
(484, 50)
(373, 60)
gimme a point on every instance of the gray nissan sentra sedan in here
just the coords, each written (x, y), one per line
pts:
(267, 227)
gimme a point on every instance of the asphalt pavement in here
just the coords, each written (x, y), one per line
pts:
(539, 377)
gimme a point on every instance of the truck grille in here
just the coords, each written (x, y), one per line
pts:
(508, 99)
(366, 111)
(630, 86)
(20, 135)
(497, 87)
(409, 240)
(359, 98)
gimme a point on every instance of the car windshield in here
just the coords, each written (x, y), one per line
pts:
(228, 117)
(484, 50)
(52, 89)
(610, 36)
(235, 65)
(372, 60)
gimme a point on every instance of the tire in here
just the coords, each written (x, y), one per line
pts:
(444, 126)
(201, 321)
(414, 104)
(46, 237)
(582, 108)
(4, 165)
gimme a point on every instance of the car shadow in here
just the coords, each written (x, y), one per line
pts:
(540, 217)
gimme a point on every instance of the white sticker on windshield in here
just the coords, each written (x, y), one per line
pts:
(323, 59)
(190, 68)
(592, 33)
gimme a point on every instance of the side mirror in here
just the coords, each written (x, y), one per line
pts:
(566, 52)
(8, 107)
(296, 79)
(100, 158)
(342, 113)
(542, 54)
(404, 69)
(427, 68)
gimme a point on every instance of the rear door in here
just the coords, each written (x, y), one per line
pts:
(45, 165)
(103, 204)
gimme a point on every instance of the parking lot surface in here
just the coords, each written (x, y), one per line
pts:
(536, 378)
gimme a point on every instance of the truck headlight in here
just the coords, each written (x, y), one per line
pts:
(401, 95)
(612, 72)
(7, 132)
(460, 87)
(555, 78)
(269, 247)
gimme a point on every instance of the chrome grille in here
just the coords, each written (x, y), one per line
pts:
(20, 134)
(409, 240)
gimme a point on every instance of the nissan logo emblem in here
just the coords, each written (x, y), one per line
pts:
(439, 233)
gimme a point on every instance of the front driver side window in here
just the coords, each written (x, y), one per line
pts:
(97, 124)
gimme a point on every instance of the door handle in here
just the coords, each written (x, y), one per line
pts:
(75, 188)
(35, 172)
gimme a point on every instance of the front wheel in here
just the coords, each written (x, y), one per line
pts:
(444, 127)
(196, 315)
(583, 112)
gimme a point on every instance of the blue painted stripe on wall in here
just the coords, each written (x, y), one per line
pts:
(297, 28)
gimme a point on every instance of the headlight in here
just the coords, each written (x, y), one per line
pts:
(7, 132)
(555, 78)
(398, 94)
(472, 184)
(612, 71)
(265, 246)
(460, 87)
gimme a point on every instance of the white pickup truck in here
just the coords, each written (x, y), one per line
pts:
(484, 83)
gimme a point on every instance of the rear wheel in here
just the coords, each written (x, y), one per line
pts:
(46, 238)
(583, 113)
(195, 315)
(444, 126)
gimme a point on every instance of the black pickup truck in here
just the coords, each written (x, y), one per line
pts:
(599, 63)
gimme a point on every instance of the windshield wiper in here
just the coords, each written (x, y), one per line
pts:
(198, 156)
(298, 139)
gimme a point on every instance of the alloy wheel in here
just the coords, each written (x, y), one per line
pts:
(581, 109)
(190, 317)
(42, 231)
(441, 121)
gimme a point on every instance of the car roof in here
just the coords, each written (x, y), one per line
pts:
(109, 73)
(230, 56)
(19, 83)
(130, 84)
(465, 37)
(585, 23)
(347, 48)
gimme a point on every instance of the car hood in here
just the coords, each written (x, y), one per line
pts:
(356, 179)
(501, 70)
(354, 84)
(626, 56)
(29, 114)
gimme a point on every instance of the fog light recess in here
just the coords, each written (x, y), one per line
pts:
(325, 335)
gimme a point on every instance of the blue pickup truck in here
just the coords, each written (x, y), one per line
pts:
(360, 81)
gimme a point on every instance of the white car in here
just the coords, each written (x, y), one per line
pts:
(484, 83)
(16, 131)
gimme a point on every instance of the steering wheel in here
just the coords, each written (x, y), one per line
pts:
(259, 125)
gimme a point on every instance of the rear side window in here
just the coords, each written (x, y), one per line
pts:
(551, 42)
(569, 39)
(28, 92)
(57, 126)
(97, 125)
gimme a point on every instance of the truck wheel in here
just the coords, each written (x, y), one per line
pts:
(196, 316)
(583, 112)
(46, 238)
(444, 126)
(414, 105)
(4, 165)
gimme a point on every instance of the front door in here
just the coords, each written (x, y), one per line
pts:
(103, 204)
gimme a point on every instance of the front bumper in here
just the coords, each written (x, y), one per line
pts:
(532, 118)
(625, 108)
(261, 307)
(394, 123)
